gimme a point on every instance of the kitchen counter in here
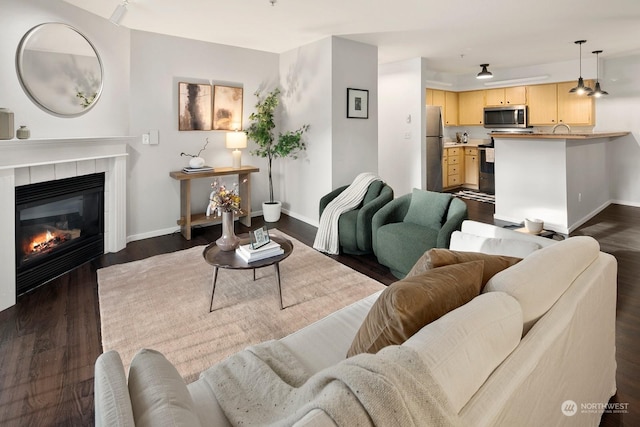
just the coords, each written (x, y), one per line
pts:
(474, 143)
(539, 135)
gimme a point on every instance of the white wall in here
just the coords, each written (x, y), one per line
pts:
(110, 116)
(620, 111)
(400, 145)
(158, 63)
(305, 76)
(315, 78)
(354, 141)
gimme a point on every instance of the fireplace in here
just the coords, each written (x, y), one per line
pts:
(59, 226)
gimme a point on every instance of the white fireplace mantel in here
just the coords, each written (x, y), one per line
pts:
(39, 160)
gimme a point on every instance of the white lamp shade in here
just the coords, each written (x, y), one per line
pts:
(236, 140)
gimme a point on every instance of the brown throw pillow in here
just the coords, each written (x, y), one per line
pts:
(433, 258)
(406, 306)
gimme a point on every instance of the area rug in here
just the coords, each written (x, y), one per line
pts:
(476, 195)
(162, 303)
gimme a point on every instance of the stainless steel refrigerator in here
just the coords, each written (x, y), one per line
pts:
(435, 147)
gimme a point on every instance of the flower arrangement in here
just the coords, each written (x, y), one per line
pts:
(222, 199)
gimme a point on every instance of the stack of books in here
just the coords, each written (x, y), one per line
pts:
(188, 169)
(269, 250)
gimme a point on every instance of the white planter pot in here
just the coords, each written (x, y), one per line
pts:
(271, 211)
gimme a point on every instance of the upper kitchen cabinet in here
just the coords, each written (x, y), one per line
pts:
(550, 104)
(471, 108)
(449, 103)
(451, 108)
(575, 109)
(516, 95)
(543, 104)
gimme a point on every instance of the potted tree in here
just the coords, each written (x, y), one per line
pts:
(288, 144)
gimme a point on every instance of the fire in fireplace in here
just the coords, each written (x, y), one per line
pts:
(59, 226)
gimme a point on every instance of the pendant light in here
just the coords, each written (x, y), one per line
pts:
(581, 89)
(484, 74)
(598, 92)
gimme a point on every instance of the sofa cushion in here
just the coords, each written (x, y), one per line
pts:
(541, 278)
(113, 405)
(428, 208)
(438, 257)
(466, 242)
(159, 395)
(407, 305)
(464, 346)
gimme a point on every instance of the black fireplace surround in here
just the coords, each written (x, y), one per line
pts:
(59, 226)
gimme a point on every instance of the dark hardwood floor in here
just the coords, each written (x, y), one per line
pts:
(50, 339)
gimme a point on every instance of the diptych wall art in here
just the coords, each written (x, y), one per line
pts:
(194, 109)
(227, 108)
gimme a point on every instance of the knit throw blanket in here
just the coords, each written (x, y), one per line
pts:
(327, 236)
(266, 385)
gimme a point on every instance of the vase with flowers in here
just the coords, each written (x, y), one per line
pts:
(226, 203)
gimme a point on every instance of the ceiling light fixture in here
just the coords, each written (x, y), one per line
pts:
(273, 2)
(598, 92)
(484, 74)
(581, 89)
(118, 14)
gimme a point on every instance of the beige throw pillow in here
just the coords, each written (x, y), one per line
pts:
(409, 304)
(433, 258)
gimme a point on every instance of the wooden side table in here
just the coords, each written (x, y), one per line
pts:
(188, 219)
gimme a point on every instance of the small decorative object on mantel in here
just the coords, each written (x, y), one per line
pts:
(6, 123)
(196, 161)
(226, 203)
(357, 103)
(23, 132)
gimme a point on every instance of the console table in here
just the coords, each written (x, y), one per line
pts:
(187, 219)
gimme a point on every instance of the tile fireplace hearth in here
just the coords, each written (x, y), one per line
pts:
(37, 161)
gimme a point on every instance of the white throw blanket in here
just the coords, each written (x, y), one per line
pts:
(266, 385)
(327, 236)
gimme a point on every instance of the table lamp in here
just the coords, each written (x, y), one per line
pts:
(236, 140)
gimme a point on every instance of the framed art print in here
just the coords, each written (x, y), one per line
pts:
(227, 108)
(194, 106)
(357, 103)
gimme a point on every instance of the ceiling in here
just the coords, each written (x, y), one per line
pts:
(455, 36)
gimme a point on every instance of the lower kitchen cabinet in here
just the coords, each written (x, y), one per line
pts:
(452, 170)
(471, 168)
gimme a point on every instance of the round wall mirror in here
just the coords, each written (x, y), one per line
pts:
(59, 69)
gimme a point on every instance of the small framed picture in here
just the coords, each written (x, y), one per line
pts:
(259, 237)
(357, 103)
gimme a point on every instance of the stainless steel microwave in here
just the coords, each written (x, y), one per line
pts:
(512, 116)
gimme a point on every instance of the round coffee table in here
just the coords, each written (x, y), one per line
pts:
(229, 260)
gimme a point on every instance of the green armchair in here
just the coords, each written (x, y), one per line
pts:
(410, 225)
(354, 227)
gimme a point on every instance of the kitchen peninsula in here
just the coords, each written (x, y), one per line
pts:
(562, 179)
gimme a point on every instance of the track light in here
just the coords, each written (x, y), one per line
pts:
(581, 89)
(598, 92)
(484, 74)
(118, 14)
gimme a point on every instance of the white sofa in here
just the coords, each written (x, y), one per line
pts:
(539, 337)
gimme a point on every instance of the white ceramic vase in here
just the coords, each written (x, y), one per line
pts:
(196, 162)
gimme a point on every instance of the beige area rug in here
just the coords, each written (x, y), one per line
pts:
(162, 303)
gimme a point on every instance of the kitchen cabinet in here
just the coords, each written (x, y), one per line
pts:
(575, 109)
(516, 95)
(471, 168)
(550, 104)
(543, 104)
(449, 103)
(471, 108)
(453, 164)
